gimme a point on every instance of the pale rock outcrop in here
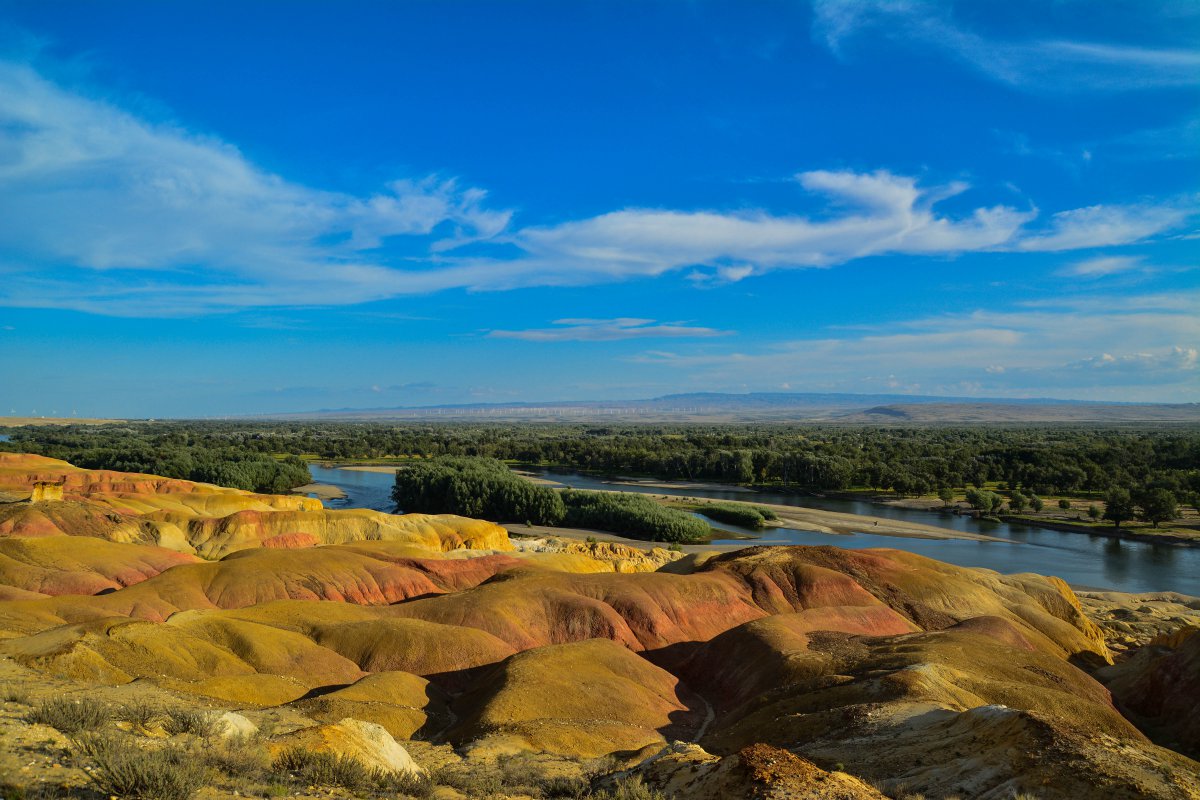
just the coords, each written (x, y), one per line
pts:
(367, 742)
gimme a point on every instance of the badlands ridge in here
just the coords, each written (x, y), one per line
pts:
(435, 642)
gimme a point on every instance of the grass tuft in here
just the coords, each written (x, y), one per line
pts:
(70, 716)
(139, 712)
(125, 770)
(13, 693)
(202, 724)
(321, 768)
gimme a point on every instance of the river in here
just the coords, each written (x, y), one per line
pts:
(1080, 559)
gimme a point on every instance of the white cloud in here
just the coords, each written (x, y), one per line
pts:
(1102, 226)
(87, 185)
(608, 330)
(105, 212)
(1110, 347)
(1102, 266)
(1036, 63)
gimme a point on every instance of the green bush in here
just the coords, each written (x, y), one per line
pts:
(742, 514)
(632, 515)
(70, 716)
(125, 770)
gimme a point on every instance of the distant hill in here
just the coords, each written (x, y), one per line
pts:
(867, 409)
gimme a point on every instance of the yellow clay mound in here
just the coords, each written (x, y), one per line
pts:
(402, 703)
(585, 699)
(79, 565)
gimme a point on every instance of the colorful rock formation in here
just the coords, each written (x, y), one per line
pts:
(795, 672)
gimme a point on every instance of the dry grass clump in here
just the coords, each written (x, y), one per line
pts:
(70, 716)
(244, 758)
(139, 712)
(321, 768)
(185, 720)
(630, 789)
(514, 775)
(12, 693)
(125, 770)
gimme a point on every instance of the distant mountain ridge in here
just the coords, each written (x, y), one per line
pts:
(787, 406)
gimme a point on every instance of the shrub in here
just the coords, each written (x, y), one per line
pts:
(633, 515)
(70, 716)
(630, 789)
(139, 712)
(185, 720)
(12, 693)
(242, 757)
(322, 768)
(737, 514)
(126, 770)
(1064, 504)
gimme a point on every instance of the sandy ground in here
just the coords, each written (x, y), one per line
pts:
(805, 519)
(323, 491)
(607, 536)
(677, 485)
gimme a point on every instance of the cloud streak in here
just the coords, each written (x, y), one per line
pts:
(609, 330)
(105, 212)
(1044, 64)
(1105, 347)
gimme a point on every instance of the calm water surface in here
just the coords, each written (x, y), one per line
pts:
(1079, 559)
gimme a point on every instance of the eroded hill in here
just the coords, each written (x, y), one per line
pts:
(766, 672)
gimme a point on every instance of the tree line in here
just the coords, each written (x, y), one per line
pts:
(488, 489)
(172, 454)
(1033, 460)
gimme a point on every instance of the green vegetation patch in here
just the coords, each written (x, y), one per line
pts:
(743, 514)
(633, 515)
(475, 487)
(488, 489)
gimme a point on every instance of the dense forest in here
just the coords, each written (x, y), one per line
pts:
(484, 487)
(171, 450)
(1046, 460)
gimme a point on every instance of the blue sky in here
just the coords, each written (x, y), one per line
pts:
(225, 208)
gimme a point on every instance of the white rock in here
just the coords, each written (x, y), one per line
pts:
(231, 725)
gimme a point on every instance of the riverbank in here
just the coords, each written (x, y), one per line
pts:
(584, 534)
(837, 522)
(1171, 536)
(322, 491)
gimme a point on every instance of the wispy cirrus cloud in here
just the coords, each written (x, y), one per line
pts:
(1103, 266)
(1038, 62)
(106, 212)
(1114, 347)
(609, 330)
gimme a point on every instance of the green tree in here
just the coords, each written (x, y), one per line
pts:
(1036, 503)
(1064, 504)
(1158, 505)
(1017, 501)
(1094, 512)
(1118, 506)
(946, 495)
